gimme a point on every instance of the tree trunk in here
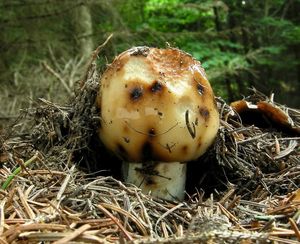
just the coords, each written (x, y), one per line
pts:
(82, 21)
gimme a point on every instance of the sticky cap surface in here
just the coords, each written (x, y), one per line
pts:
(156, 104)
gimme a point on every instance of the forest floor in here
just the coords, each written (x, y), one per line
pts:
(59, 185)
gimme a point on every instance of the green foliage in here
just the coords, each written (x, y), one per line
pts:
(170, 15)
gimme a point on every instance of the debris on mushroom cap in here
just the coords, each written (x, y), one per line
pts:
(157, 104)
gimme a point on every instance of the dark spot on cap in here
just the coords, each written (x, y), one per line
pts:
(199, 142)
(204, 113)
(125, 128)
(185, 149)
(156, 87)
(200, 89)
(151, 132)
(126, 85)
(180, 61)
(160, 113)
(136, 93)
(149, 181)
(126, 139)
(162, 73)
(121, 150)
(147, 151)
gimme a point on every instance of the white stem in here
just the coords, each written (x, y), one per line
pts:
(163, 180)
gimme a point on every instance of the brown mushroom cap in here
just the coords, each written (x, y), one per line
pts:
(157, 104)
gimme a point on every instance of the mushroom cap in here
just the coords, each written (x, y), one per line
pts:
(156, 105)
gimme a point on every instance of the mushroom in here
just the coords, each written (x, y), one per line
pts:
(158, 112)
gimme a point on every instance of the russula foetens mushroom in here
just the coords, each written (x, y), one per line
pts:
(157, 111)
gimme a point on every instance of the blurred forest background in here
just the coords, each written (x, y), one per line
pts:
(45, 44)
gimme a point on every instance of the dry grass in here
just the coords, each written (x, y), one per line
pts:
(53, 80)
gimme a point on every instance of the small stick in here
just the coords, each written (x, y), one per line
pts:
(62, 81)
(94, 57)
(73, 235)
(267, 225)
(108, 214)
(228, 214)
(179, 231)
(2, 216)
(13, 232)
(2, 241)
(228, 194)
(277, 146)
(146, 216)
(295, 228)
(64, 184)
(128, 215)
(191, 130)
(167, 213)
(164, 230)
(282, 240)
(24, 202)
(234, 202)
